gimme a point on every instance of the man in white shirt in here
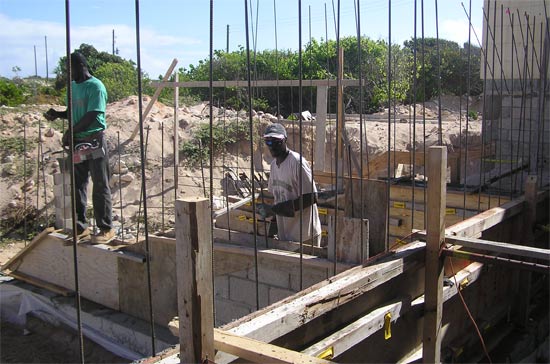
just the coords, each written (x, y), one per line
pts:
(284, 184)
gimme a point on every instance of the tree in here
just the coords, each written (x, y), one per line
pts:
(10, 93)
(94, 58)
(120, 80)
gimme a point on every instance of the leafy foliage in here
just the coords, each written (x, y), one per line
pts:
(197, 150)
(10, 93)
(120, 80)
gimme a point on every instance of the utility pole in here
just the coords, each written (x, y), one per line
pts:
(46, 46)
(113, 42)
(35, 66)
(227, 40)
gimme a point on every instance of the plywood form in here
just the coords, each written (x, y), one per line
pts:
(52, 261)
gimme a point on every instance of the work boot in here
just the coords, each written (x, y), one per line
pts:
(104, 236)
(81, 234)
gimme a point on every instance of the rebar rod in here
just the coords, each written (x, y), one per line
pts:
(388, 181)
(143, 184)
(414, 116)
(439, 121)
(211, 125)
(251, 130)
(337, 139)
(120, 187)
(361, 185)
(300, 176)
(73, 189)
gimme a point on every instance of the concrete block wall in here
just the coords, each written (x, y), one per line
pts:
(512, 123)
(235, 291)
(62, 200)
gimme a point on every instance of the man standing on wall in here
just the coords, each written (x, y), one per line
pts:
(89, 101)
(284, 182)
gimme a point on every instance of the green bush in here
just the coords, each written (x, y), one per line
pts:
(199, 148)
(10, 93)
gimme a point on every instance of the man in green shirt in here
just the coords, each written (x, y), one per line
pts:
(89, 101)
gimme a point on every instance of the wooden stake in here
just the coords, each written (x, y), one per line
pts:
(433, 306)
(194, 280)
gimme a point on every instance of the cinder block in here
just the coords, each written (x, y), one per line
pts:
(221, 285)
(227, 311)
(310, 277)
(61, 178)
(244, 291)
(61, 190)
(274, 277)
(277, 294)
(61, 202)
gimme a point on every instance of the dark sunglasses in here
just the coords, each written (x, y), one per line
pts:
(273, 141)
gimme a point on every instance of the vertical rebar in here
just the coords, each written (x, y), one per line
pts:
(143, 184)
(300, 106)
(439, 121)
(414, 118)
(388, 181)
(251, 131)
(360, 71)
(468, 89)
(162, 173)
(120, 186)
(73, 191)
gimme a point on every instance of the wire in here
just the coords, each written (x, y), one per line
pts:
(459, 291)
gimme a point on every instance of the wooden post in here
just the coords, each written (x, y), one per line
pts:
(176, 137)
(320, 129)
(194, 280)
(433, 304)
(340, 118)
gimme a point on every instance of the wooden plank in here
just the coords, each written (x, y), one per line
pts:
(281, 255)
(359, 330)
(232, 207)
(194, 279)
(320, 129)
(433, 305)
(485, 220)
(258, 351)
(307, 305)
(154, 98)
(258, 83)
(352, 240)
(374, 208)
(239, 238)
(455, 198)
(20, 254)
(42, 284)
(498, 247)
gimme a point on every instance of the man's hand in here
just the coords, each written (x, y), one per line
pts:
(51, 115)
(264, 210)
(66, 140)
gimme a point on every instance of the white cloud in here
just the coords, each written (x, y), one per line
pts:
(19, 36)
(457, 31)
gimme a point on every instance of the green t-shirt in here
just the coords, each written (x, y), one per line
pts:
(89, 95)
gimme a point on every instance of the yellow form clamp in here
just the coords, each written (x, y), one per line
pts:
(387, 326)
(328, 354)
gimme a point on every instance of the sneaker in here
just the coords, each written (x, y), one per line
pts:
(103, 237)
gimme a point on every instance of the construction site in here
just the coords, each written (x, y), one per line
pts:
(435, 243)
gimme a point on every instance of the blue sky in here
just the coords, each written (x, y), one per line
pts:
(180, 28)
